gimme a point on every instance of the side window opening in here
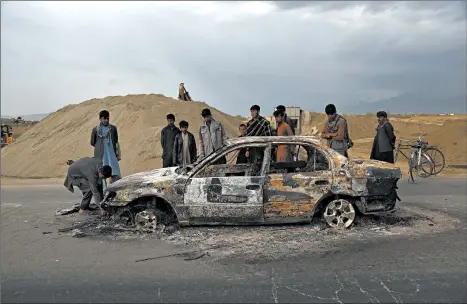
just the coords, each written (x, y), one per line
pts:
(303, 158)
(237, 164)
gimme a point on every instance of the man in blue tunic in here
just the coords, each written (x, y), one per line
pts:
(104, 139)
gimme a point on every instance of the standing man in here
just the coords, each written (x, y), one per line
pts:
(211, 136)
(257, 126)
(284, 153)
(87, 174)
(104, 139)
(335, 131)
(385, 140)
(167, 141)
(287, 119)
(184, 152)
(241, 157)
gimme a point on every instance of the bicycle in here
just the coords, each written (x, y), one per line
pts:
(432, 152)
(418, 160)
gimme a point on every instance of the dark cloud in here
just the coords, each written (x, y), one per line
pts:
(335, 5)
(374, 6)
(227, 55)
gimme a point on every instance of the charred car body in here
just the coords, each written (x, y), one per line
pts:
(318, 181)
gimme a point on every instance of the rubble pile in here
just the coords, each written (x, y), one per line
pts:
(269, 242)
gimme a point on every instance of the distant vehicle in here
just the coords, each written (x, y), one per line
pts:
(6, 135)
(321, 181)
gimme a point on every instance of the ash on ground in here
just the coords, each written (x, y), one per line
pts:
(273, 241)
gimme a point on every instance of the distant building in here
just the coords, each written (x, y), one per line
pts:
(295, 114)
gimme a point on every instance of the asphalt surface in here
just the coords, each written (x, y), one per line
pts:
(40, 265)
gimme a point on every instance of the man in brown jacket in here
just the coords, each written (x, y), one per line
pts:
(286, 118)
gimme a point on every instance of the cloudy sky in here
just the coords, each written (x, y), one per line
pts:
(230, 54)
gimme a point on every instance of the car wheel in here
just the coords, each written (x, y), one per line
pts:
(146, 220)
(339, 214)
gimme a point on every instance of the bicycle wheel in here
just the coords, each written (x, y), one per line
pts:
(426, 167)
(437, 158)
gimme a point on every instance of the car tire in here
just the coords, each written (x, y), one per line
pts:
(339, 214)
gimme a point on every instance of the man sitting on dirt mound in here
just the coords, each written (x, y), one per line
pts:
(87, 174)
(182, 93)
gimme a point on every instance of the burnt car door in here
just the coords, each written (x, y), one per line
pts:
(293, 188)
(226, 193)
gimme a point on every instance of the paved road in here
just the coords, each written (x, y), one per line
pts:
(37, 267)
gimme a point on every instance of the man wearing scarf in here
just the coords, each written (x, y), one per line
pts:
(184, 150)
(385, 140)
(335, 132)
(104, 139)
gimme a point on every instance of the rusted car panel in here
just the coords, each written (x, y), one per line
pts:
(263, 192)
(225, 200)
(292, 197)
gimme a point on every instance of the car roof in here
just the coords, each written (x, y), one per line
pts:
(271, 139)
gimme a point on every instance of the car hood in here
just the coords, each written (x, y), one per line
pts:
(144, 178)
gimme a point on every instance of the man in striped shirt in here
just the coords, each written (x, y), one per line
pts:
(257, 126)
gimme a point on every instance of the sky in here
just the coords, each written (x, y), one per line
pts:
(231, 54)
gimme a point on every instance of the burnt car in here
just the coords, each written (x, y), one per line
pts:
(319, 181)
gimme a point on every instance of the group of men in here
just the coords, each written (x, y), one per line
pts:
(179, 145)
(336, 135)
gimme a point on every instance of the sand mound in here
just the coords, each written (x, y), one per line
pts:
(43, 150)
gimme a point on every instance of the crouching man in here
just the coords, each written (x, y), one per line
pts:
(87, 174)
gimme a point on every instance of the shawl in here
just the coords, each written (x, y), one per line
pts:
(333, 124)
(106, 134)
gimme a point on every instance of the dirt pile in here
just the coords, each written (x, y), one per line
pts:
(43, 150)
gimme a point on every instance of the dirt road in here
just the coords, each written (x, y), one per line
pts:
(416, 255)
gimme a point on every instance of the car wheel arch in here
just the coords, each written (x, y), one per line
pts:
(160, 202)
(326, 199)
